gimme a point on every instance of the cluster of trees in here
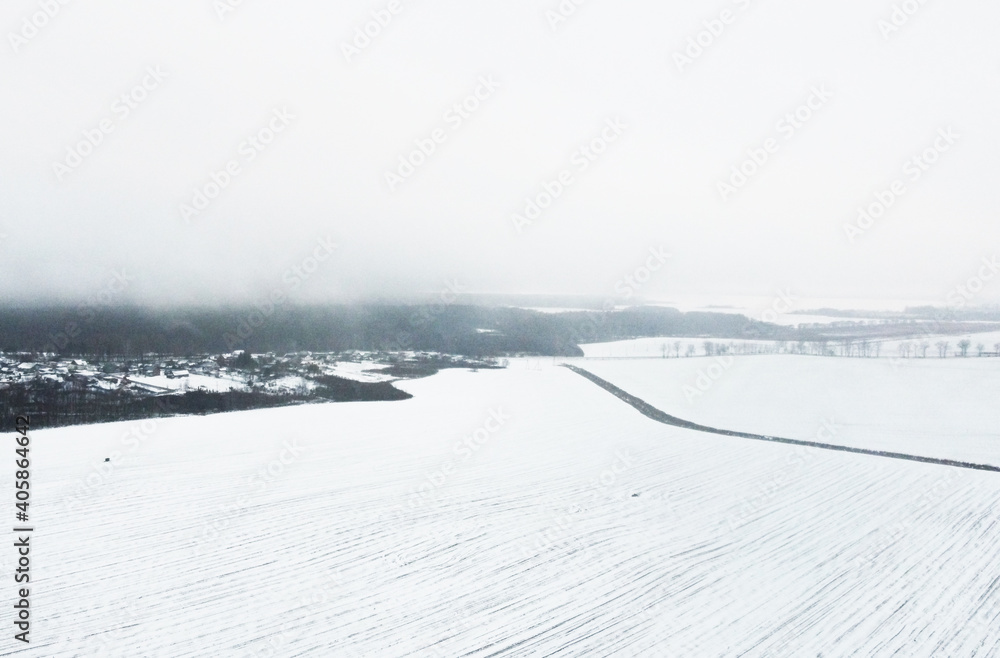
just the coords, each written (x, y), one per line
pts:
(846, 347)
(54, 404)
(907, 349)
(338, 389)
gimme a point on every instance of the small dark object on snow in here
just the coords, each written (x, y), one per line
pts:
(635, 495)
(107, 459)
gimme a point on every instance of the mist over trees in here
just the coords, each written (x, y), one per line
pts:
(455, 329)
(461, 329)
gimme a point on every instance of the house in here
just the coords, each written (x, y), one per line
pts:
(208, 367)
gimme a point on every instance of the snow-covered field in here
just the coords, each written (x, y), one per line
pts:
(361, 371)
(755, 305)
(654, 347)
(945, 408)
(989, 340)
(769, 315)
(518, 512)
(290, 383)
(191, 383)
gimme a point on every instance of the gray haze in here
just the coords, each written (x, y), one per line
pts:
(883, 98)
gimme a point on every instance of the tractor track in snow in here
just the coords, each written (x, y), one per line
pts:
(652, 412)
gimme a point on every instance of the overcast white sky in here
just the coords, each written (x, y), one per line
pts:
(64, 236)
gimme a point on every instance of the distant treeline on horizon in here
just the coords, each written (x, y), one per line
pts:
(456, 329)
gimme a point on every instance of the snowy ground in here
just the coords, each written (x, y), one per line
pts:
(360, 371)
(764, 312)
(291, 384)
(755, 305)
(989, 340)
(653, 347)
(567, 525)
(191, 383)
(944, 408)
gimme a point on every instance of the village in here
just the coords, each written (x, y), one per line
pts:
(156, 375)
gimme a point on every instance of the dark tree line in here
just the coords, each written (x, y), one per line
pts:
(53, 404)
(468, 330)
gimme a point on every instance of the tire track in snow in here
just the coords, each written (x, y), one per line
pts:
(652, 412)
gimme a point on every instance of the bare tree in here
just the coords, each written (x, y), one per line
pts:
(904, 349)
(677, 348)
(964, 345)
(690, 350)
(942, 347)
(980, 348)
(709, 348)
(664, 348)
(924, 345)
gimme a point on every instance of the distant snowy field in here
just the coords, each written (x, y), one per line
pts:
(784, 319)
(654, 347)
(944, 408)
(989, 340)
(518, 512)
(650, 347)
